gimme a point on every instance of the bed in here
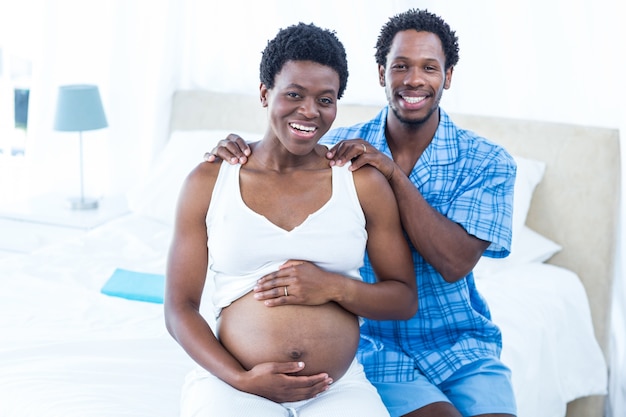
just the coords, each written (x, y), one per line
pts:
(69, 350)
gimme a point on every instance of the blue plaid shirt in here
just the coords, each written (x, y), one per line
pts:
(469, 180)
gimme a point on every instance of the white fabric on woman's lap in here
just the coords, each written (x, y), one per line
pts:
(205, 395)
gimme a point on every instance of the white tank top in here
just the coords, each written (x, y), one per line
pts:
(244, 245)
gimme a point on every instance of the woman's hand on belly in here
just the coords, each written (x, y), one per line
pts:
(296, 282)
(276, 381)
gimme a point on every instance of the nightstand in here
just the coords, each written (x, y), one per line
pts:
(37, 222)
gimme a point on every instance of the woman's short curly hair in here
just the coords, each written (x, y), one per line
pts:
(421, 21)
(304, 42)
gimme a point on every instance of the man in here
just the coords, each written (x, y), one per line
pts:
(455, 196)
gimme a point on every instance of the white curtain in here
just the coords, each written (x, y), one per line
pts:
(552, 60)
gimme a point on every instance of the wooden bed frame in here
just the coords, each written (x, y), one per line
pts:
(576, 204)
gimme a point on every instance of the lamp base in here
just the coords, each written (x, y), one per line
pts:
(82, 203)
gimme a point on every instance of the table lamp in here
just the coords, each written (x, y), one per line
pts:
(79, 108)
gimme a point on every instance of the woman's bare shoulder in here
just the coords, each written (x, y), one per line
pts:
(369, 178)
(374, 192)
(199, 183)
(204, 173)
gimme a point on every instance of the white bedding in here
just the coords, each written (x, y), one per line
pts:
(547, 334)
(68, 350)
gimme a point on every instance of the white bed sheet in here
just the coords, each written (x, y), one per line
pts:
(548, 339)
(68, 350)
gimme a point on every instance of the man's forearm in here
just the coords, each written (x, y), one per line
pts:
(443, 243)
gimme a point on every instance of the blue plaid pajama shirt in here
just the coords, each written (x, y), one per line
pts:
(469, 180)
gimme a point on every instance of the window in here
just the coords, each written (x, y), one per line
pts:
(19, 39)
(15, 73)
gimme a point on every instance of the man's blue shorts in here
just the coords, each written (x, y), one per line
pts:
(482, 387)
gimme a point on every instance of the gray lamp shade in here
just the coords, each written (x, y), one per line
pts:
(79, 108)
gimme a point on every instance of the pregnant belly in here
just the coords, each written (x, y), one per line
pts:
(324, 337)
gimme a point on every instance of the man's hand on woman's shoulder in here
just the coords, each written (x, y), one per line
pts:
(233, 150)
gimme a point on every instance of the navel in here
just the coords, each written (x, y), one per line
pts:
(295, 354)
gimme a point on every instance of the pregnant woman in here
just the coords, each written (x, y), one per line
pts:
(246, 237)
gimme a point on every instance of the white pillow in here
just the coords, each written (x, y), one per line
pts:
(529, 175)
(528, 247)
(156, 197)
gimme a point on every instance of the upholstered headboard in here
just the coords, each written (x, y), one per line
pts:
(576, 204)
